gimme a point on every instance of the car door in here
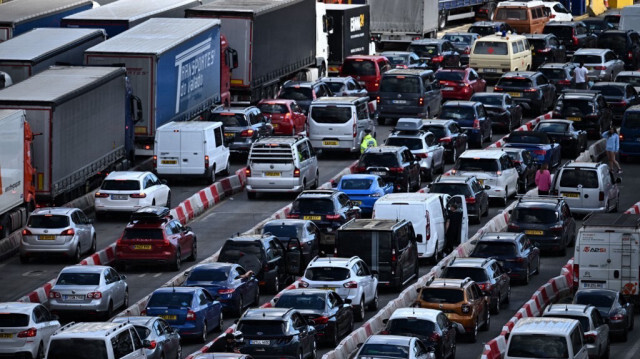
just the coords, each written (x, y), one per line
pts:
(478, 84)
(220, 152)
(510, 173)
(46, 325)
(502, 278)
(82, 229)
(180, 237)
(548, 90)
(299, 118)
(159, 190)
(337, 308)
(435, 149)
(448, 332)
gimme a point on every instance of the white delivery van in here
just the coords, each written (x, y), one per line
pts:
(185, 149)
(427, 212)
(607, 253)
(630, 18)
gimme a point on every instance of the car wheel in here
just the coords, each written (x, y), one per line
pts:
(360, 311)
(316, 181)
(487, 322)
(125, 302)
(251, 195)
(429, 174)
(373, 306)
(179, 352)
(211, 176)
(76, 255)
(40, 353)
(314, 350)
(239, 307)
(335, 339)
(537, 267)
(473, 336)
(490, 134)
(220, 322)
(94, 244)
(506, 196)
(109, 313)
(507, 299)
(496, 306)
(227, 170)
(194, 251)
(203, 339)
(607, 351)
(177, 262)
(300, 356)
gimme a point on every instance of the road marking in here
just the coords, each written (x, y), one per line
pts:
(633, 353)
(157, 275)
(141, 275)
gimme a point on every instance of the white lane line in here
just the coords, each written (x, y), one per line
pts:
(141, 275)
(633, 352)
(157, 275)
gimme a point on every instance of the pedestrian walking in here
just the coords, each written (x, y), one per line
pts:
(612, 148)
(581, 76)
(543, 180)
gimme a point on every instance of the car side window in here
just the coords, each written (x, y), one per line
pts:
(357, 268)
(430, 139)
(472, 75)
(514, 47)
(481, 112)
(39, 315)
(137, 343)
(122, 344)
(365, 268)
(202, 299)
(576, 339)
(453, 128)
(343, 199)
(476, 291)
(542, 80)
(219, 137)
(609, 56)
(521, 46)
(303, 151)
(158, 328)
(596, 318)
(471, 293)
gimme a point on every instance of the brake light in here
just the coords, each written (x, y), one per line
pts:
(191, 315)
(621, 137)
(94, 295)
(531, 90)
(246, 133)
(206, 161)
(296, 172)
(544, 51)
(303, 284)
(138, 195)
(53, 294)
(445, 140)
(321, 320)
(617, 317)
(247, 171)
(143, 312)
(622, 103)
(287, 116)
(152, 344)
(496, 88)
(101, 195)
(351, 284)
(513, 227)
(293, 216)
(576, 272)
(590, 338)
(551, 16)
(564, 82)
(421, 101)
(359, 169)
(556, 228)
(355, 133)
(26, 232)
(226, 291)
(629, 55)
(394, 257)
(29, 333)
(378, 99)
(600, 67)
(437, 59)
(470, 200)
(397, 169)
(540, 152)
(466, 51)
(466, 308)
(435, 337)
(476, 123)
(575, 40)
(601, 196)
(332, 216)
(155, 161)
(422, 155)
(68, 232)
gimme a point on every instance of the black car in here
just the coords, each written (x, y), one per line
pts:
(546, 221)
(573, 35)
(436, 53)
(546, 48)
(613, 307)
(625, 44)
(529, 89)
(449, 134)
(526, 166)
(597, 25)
(306, 232)
(280, 332)
(513, 251)
(394, 164)
(242, 126)
(408, 93)
(324, 309)
(619, 96)
(572, 141)
(484, 28)
(474, 193)
(559, 74)
(463, 42)
(587, 109)
(504, 113)
(470, 116)
(304, 92)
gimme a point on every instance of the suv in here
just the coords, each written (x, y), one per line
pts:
(596, 331)
(305, 231)
(587, 109)
(485, 28)
(281, 164)
(559, 74)
(573, 35)
(603, 64)
(394, 164)
(529, 89)
(470, 116)
(304, 92)
(103, 340)
(242, 126)
(367, 70)
(351, 278)
(408, 93)
(546, 337)
(625, 44)
(546, 48)
(449, 134)
(513, 251)
(436, 53)
(474, 193)
(463, 42)
(587, 187)
(493, 168)
(619, 96)
(154, 236)
(28, 327)
(487, 273)
(461, 300)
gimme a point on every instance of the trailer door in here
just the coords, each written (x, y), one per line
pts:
(595, 260)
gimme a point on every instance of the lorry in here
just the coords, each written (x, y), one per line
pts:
(348, 33)
(122, 15)
(179, 68)
(35, 51)
(17, 17)
(449, 10)
(270, 50)
(17, 192)
(81, 126)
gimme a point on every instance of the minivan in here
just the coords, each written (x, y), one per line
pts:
(525, 17)
(408, 93)
(546, 338)
(587, 187)
(367, 70)
(495, 55)
(387, 246)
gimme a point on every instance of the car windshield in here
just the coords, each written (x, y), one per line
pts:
(554, 74)
(455, 76)
(441, 295)
(631, 120)
(438, 131)
(490, 249)
(402, 84)
(488, 100)
(518, 137)
(230, 119)
(48, 221)
(77, 348)
(412, 144)
(78, 279)
(327, 274)
(451, 188)
(534, 215)
(356, 183)
(336, 87)
(411, 327)
(631, 80)
(458, 38)
(296, 93)
(143, 332)
(478, 275)
(208, 275)
(574, 177)
(142, 233)
(424, 50)
(587, 59)
(477, 165)
(583, 106)
(383, 350)
(613, 91)
(539, 346)
(330, 114)
(313, 205)
(458, 113)
(12, 320)
(482, 30)
(283, 231)
(358, 68)
(598, 299)
(170, 299)
(490, 48)
(273, 108)
(561, 32)
(384, 159)
(552, 127)
(515, 82)
(120, 185)
(233, 250)
(397, 59)
(261, 327)
(511, 14)
(614, 41)
(584, 321)
(301, 301)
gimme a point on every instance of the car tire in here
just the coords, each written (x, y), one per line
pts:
(525, 185)
(203, 339)
(506, 196)
(537, 266)
(211, 176)
(316, 182)
(624, 336)
(168, 202)
(527, 276)
(490, 135)
(359, 315)
(227, 170)
(314, 350)
(179, 352)
(373, 306)
(177, 262)
(109, 313)
(275, 287)
(507, 299)
(220, 322)
(473, 336)
(251, 195)
(194, 251)
(238, 310)
(496, 307)
(40, 352)
(94, 245)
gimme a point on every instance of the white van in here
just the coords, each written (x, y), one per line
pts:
(427, 213)
(607, 253)
(630, 18)
(184, 149)
(546, 338)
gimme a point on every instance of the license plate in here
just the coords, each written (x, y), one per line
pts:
(329, 288)
(275, 125)
(272, 174)
(570, 195)
(6, 335)
(490, 70)
(120, 197)
(397, 102)
(312, 218)
(169, 162)
(515, 94)
(47, 238)
(168, 317)
(259, 342)
(330, 143)
(574, 118)
(592, 285)
(229, 135)
(357, 203)
(379, 173)
(73, 297)
(142, 246)
(448, 88)
(533, 232)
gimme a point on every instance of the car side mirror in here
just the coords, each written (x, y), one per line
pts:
(163, 181)
(123, 277)
(510, 211)
(90, 221)
(487, 186)
(334, 184)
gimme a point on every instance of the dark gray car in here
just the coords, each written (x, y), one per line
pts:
(164, 340)
(408, 93)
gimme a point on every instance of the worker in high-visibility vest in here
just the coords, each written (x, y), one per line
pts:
(367, 141)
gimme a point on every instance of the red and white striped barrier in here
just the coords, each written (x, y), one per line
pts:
(526, 127)
(635, 209)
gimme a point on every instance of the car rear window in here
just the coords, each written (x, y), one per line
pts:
(561, 32)
(424, 50)
(631, 120)
(457, 113)
(404, 326)
(356, 183)
(585, 107)
(597, 299)
(363, 244)
(78, 279)
(517, 137)
(77, 348)
(142, 233)
(120, 185)
(490, 48)
(613, 41)
(575, 177)
(411, 143)
(482, 30)
(397, 59)
(13, 320)
(301, 301)
(232, 251)
(378, 160)
(450, 76)
(335, 87)
(400, 83)
(515, 82)
(451, 188)
(230, 119)
(539, 346)
(283, 231)
(511, 14)
(273, 108)
(489, 249)
(261, 327)
(442, 295)
(331, 274)
(437, 131)
(609, 90)
(477, 165)
(587, 59)
(458, 38)
(208, 275)
(359, 68)
(330, 114)
(631, 80)
(48, 221)
(296, 93)
(553, 127)
(170, 299)
(554, 74)
(313, 205)
(476, 274)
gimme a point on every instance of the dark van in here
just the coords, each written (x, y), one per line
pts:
(408, 93)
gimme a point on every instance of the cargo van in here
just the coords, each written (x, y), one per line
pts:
(607, 254)
(547, 338)
(526, 17)
(190, 149)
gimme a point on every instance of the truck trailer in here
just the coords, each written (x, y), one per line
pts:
(349, 34)
(400, 22)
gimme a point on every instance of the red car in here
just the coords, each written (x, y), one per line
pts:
(460, 83)
(367, 70)
(286, 116)
(154, 237)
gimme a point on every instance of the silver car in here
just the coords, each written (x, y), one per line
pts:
(596, 331)
(65, 231)
(25, 329)
(603, 64)
(93, 290)
(345, 86)
(587, 187)
(163, 339)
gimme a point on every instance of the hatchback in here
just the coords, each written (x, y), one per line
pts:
(394, 164)
(422, 144)
(304, 92)
(596, 331)
(573, 35)
(393, 346)
(286, 116)
(546, 48)
(403, 59)
(293, 231)
(25, 329)
(128, 191)
(625, 44)
(345, 86)
(164, 341)
(559, 74)
(613, 307)
(529, 89)
(504, 113)
(460, 83)
(475, 194)
(449, 134)
(587, 109)
(587, 187)
(470, 116)
(364, 190)
(513, 251)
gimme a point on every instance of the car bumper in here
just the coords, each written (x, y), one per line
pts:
(617, 327)
(628, 148)
(192, 329)
(466, 321)
(240, 147)
(473, 135)
(130, 205)
(496, 191)
(124, 258)
(93, 307)
(261, 188)
(343, 145)
(66, 249)
(579, 210)
(16, 348)
(546, 242)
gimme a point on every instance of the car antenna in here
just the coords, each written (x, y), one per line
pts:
(173, 287)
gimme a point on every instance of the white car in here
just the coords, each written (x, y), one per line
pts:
(394, 346)
(557, 11)
(128, 191)
(492, 168)
(351, 278)
(25, 329)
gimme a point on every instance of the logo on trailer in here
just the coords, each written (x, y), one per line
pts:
(588, 249)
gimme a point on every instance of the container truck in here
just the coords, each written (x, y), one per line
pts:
(394, 24)
(38, 49)
(17, 17)
(275, 41)
(17, 192)
(175, 67)
(80, 118)
(349, 33)
(122, 15)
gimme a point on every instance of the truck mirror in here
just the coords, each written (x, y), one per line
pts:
(138, 106)
(234, 58)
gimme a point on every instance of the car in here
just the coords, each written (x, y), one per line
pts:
(461, 300)
(571, 140)
(50, 231)
(331, 316)
(559, 74)
(235, 288)
(492, 168)
(475, 194)
(449, 134)
(242, 126)
(345, 86)
(524, 17)
(459, 83)
(619, 97)
(597, 25)
(153, 236)
(290, 232)
(304, 92)
(26, 329)
(513, 251)
(463, 42)
(587, 109)
(587, 187)
(542, 149)
(350, 278)
(529, 89)
(88, 290)
(271, 262)
(470, 116)
(364, 190)
(484, 28)
(573, 35)
(625, 44)
(436, 53)
(603, 64)
(163, 339)
(596, 331)
(403, 59)
(128, 191)
(630, 77)
(546, 48)
(504, 113)
(192, 311)
(408, 93)
(617, 312)
(613, 18)
(395, 164)
(367, 70)
(557, 11)
(286, 116)
(423, 145)
(546, 337)
(525, 166)
(392, 346)
(629, 134)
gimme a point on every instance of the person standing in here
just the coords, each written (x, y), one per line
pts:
(543, 180)
(367, 141)
(581, 76)
(453, 227)
(612, 148)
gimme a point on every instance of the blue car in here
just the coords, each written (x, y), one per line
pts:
(630, 133)
(539, 146)
(190, 310)
(364, 190)
(236, 289)
(472, 117)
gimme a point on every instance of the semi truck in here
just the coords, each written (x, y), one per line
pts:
(122, 15)
(178, 68)
(348, 34)
(17, 17)
(17, 192)
(275, 41)
(35, 51)
(449, 10)
(81, 119)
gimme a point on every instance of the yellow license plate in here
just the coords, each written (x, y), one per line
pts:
(272, 174)
(515, 94)
(357, 203)
(6, 335)
(574, 118)
(168, 317)
(533, 232)
(169, 162)
(329, 288)
(312, 218)
(47, 238)
(229, 135)
(142, 246)
(571, 195)
(330, 143)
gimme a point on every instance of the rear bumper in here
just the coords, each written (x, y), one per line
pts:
(95, 306)
(395, 111)
(67, 248)
(343, 145)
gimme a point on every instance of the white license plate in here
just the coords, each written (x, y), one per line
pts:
(120, 197)
(259, 342)
(73, 297)
(490, 70)
(592, 285)
(397, 102)
(379, 173)
(448, 88)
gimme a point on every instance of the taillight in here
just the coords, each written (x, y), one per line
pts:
(600, 67)
(94, 295)
(496, 88)
(466, 51)
(531, 90)
(191, 315)
(359, 169)
(435, 337)
(476, 123)
(351, 284)
(544, 51)
(152, 344)
(155, 161)
(470, 200)
(575, 40)
(421, 101)
(540, 152)
(466, 308)
(445, 140)
(617, 317)
(629, 55)
(590, 338)
(206, 161)
(564, 82)
(332, 216)
(394, 257)
(397, 169)
(246, 133)
(576, 272)
(601, 196)
(247, 171)
(143, 312)
(303, 284)
(437, 59)
(287, 116)
(321, 320)
(422, 155)
(26, 232)
(296, 172)
(138, 195)
(517, 260)
(226, 291)
(378, 99)
(68, 232)
(293, 216)
(29, 333)
(355, 130)
(622, 103)
(101, 195)
(53, 294)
